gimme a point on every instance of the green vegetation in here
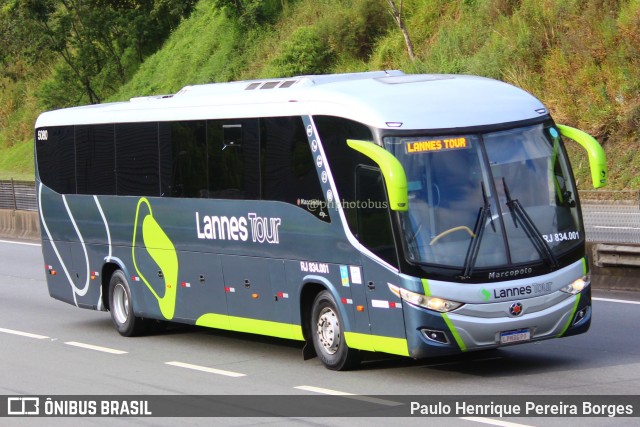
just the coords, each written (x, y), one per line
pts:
(582, 59)
(17, 162)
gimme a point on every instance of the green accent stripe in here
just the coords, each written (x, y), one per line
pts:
(454, 332)
(573, 313)
(452, 329)
(359, 341)
(392, 170)
(384, 344)
(585, 266)
(254, 326)
(425, 286)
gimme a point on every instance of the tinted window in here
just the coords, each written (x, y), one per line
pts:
(343, 160)
(233, 154)
(137, 159)
(95, 159)
(184, 159)
(289, 172)
(56, 158)
(374, 221)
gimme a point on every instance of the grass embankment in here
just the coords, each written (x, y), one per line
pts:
(582, 59)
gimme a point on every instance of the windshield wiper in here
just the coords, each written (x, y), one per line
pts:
(411, 237)
(519, 214)
(478, 231)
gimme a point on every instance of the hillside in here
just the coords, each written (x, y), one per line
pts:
(582, 59)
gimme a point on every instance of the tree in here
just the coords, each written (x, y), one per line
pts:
(397, 16)
(100, 41)
(253, 12)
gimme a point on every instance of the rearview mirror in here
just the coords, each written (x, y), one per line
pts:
(394, 177)
(597, 158)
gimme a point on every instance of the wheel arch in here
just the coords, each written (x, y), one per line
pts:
(108, 268)
(311, 286)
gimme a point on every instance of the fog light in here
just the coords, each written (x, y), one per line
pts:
(581, 316)
(437, 336)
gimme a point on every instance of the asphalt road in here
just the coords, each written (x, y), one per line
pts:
(43, 351)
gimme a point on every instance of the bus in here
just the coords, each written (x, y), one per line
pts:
(416, 215)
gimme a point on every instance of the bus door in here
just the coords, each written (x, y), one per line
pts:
(375, 233)
(385, 309)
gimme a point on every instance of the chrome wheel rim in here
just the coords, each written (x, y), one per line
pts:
(328, 330)
(120, 304)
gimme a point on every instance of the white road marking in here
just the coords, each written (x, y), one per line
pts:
(610, 213)
(205, 369)
(95, 347)
(324, 390)
(348, 395)
(493, 422)
(605, 227)
(20, 243)
(391, 403)
(23, 334)
(621, 301)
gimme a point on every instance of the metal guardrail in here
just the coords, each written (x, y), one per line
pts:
(611, 216)
(18, 195)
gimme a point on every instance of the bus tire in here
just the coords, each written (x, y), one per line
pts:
(327, 334)
(121, 307)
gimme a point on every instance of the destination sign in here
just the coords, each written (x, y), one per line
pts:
(437, 145)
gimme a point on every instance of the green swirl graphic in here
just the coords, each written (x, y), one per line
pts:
(163, 252)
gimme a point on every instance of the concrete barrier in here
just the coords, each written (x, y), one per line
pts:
(19, 224)
(615, 255)
(614, 266)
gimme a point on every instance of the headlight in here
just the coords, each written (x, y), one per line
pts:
(577, 285)
(431, 303)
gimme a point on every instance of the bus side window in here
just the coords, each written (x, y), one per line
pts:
(137, 159)
(96, 159)
(56, 159)
(233, 154)
(289, 173)
(343, 160)
(374, 221)
(183, 157)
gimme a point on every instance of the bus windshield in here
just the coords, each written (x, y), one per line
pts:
(488, 200)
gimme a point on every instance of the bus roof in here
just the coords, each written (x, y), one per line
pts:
(382, 99)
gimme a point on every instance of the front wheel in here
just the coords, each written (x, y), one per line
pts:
(121, 307)
(327, 330)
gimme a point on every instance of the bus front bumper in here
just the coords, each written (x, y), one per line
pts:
(482, 326)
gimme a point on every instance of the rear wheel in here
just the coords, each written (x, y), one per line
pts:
(121, 307)
(327, 331)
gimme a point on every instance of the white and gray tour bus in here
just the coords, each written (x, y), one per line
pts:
(417, 215)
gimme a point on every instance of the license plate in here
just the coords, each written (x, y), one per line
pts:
(518, 335)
